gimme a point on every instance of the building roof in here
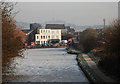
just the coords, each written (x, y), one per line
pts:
(67, 27)
(55, 26)
(26, 31)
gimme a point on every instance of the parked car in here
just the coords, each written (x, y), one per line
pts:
(51, 45)
(56, 45)
(65, 44)
(43, 45)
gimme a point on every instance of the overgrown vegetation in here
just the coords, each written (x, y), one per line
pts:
(110, 59)
(10, 44)
(88, 39)
(108, 50)
(91, 75)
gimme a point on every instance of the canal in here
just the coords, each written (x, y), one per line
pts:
(48, 65)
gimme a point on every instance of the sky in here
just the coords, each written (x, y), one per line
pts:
(78, 13)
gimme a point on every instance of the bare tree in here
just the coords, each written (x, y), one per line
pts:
(10, 45)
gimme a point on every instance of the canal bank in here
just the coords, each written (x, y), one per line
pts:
(90, 68)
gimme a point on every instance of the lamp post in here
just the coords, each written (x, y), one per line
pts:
(104, 23)
(104, 29)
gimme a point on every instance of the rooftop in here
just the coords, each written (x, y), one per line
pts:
(55, 26)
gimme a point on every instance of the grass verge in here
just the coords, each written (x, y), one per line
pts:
(90, 74)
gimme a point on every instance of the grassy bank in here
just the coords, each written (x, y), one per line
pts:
(90, 74)
(94, 58)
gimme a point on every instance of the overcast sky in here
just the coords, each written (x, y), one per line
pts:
(79, 13)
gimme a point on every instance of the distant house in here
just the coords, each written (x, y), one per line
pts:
(56, 26)
(31, 36)
(26, 31)
(34, 29)
(71, 31)
(67, 27)
(35, 25)
(76, 34)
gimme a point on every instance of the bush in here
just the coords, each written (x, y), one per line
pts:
(112, 38)
(110, 63)
(110, 60)
(88, 39)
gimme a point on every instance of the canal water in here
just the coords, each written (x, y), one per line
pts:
(48, 65)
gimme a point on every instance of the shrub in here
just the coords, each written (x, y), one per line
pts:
(112, 38)
(110, 60)
(88, 39)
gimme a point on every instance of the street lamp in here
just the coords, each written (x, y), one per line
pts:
(104, 23)
(104, 29)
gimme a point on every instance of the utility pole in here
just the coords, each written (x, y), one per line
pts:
(104, 30)
(104, 24)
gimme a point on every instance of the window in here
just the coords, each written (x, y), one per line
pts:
(48, 31)
(46, 37)
(57, 32)
(49, 37)
(52, 31)
(57, 37)
(52, 37)
(38, 42)
(41, 37)
(37, 37)
(44, 31)
(41, 31)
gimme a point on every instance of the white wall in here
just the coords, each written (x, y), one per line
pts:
(47, 34)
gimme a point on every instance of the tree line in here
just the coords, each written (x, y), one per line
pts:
(107, 49)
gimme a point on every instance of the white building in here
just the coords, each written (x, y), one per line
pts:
(47, 34)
